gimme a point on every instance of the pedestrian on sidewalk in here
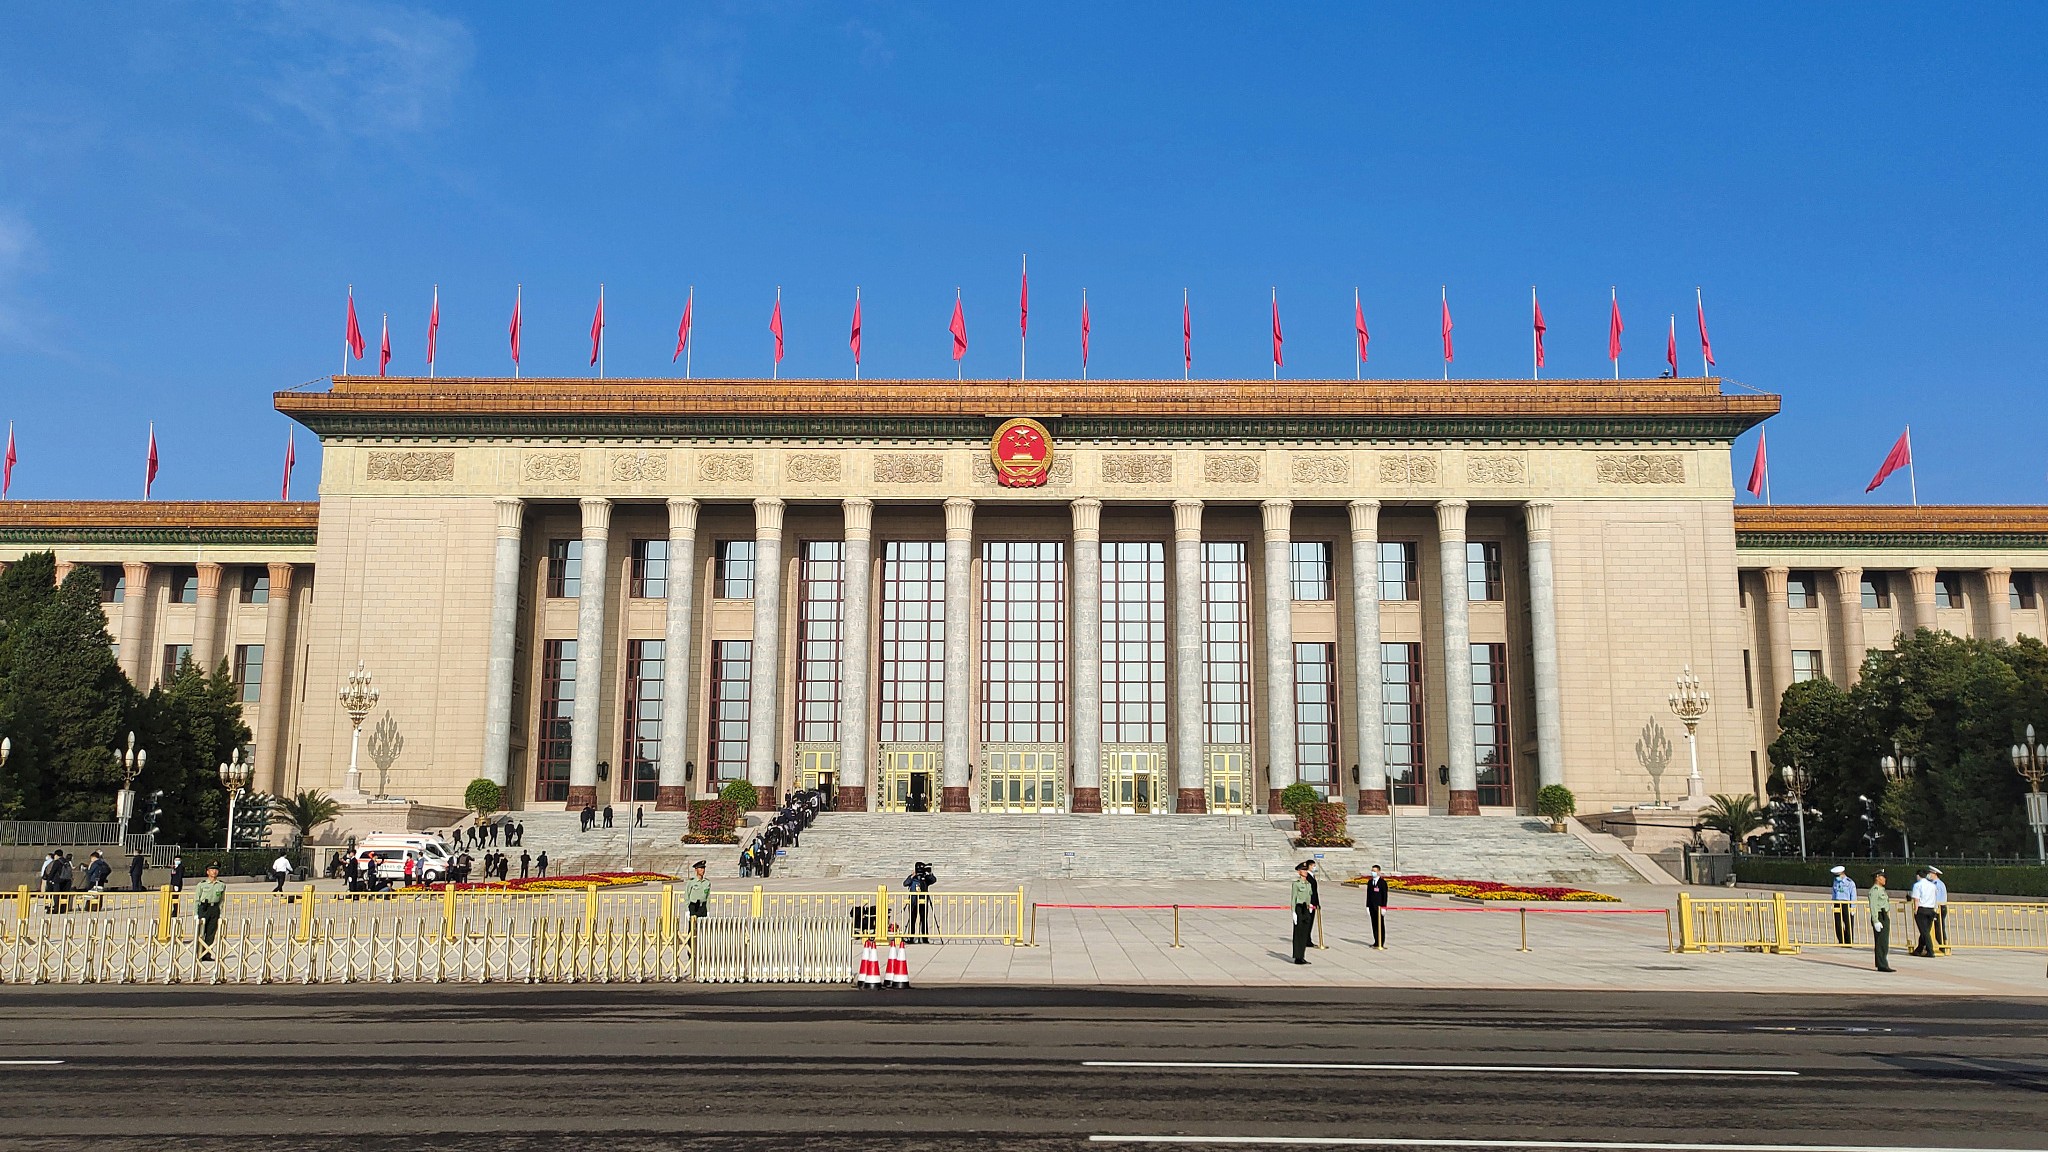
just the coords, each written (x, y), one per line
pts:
(639, 816)
(1881, 922)
(1303, 896)
(1940, 910)
(1376, 906)
(697, 892)
(177, 873)
(135, 867)
(97, 872)
(1924, 903)
(211, 895)
(282, 869)
(540, 865)
(1845, 906)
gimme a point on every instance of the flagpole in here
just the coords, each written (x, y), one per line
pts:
(1614, 302)
(1084, 352)
(856, 309)
(1187, 347)
(1357, 360)
(1700, 302)
(600, 329)
(518, 298)
(344, 332)
(1912, 476)
(1024, 317)
(1276, 327)
(1535, 341)
(1767, 467)
(775, 369)
(690, 345)
(152, 438)
(1447, 307)
(431, 336)
(1674, 345)
(959, 362)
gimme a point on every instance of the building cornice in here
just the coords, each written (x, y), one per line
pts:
(155, 522)
(1891, 526)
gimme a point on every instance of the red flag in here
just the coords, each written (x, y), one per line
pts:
(1084, 331)
(1024, 305)
(775, 325)
(853, 340)
(597, 327)
(515, 330)
(1706, 345)
(433, 326)
(1187, 337)
(1760, 470)
(1671, 348)
(384, 346)
(290, 459)
(959, 329)
(1901, 456)
(1541, 327)
(7, 476)
(1614, 330)
(149, 473)
(1277, 361)
(1358, 323)
(352, 337)
(1447, 328)
(683, 329)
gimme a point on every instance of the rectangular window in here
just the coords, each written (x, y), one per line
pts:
(646, 660)
(1023, 642)
(649, 579)
(1482, 571)
(1748, 680)
(184, 586)
(175, 657)
(113, 584)
(249, 672)
(1805, 665)
(2023, 590)
(735, 570)
(1315, 717)
(1400, 575)
(1226, 644)
(1799, 591)
(1401, 720)
(913, 664)
(1948, 591)
(1492, 741)
(565, 572)
(1134, 643)
(732, 672)
(820, 630)
(255, 586)
(557, 706)
(1309, 569)
(1877, 590)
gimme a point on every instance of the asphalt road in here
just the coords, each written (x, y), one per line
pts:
(512, 1069)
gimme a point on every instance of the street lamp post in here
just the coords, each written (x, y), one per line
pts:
(1689, 703)
(1899, 766)
(234, 776)
(132, 761)
(1796, 780)
(357, 699)
(2031, 761)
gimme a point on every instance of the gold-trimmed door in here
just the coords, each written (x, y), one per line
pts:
(1224, 776)
(1134, 780)
(909, 776)
(1023, 778)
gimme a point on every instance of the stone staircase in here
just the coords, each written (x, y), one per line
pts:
(1510, 849)
(657, 847)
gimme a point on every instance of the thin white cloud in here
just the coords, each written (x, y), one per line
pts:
(19, 254)
(363, 70)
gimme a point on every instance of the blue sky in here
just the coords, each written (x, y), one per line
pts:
(186, 190)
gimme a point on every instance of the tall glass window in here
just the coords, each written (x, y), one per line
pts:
(732, 670)
(1877, 590)
(820, 628)
(645, 661)
(113, 584)
(249, 672)
(255, 586)
(565, 569)
(1309, 569)
(1401, 720)
(1491, 736)
(1023, 642)
(650, 570)
(1315, 716)
(735, 570)
(1226, 644)
(1482, 571)
(185, 586)
(1400, 575)
(557, 705)
(1134, 643)
(913, 639)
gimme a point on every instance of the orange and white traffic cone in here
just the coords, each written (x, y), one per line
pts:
(898, 974)
(870, 968)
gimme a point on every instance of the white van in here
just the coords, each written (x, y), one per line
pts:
(431, 847)
(391, 860)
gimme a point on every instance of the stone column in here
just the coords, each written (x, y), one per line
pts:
(1998, 602)
(1278, 518)
(206, 618)
(764, 709)
(1543, 645)
(274, 760)
(672, 791)
(1924, 614)
(1190, 759)
(1462, 758)
(1365, 645)
(503, 645)
(1849, 604)
(954, 775)
(855, 656)
(63, 569)
(588, 711)
(134, 619)
(1085, 664)
(1778, 636)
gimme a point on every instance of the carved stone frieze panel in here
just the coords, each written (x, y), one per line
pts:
(1409, 468)
(1137, 468)
(551, 467)
(1320, 468)
(639, 467)
(910, 468)
(1496, 468)
(1061, 476)
(412, 467)
(726, 467)
(1641, 468)
(813, 468)
(1230, 468)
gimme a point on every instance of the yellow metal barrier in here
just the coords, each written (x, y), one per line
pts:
(1776, 923)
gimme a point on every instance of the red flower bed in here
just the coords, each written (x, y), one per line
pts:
(556, 883)
(1489, 890)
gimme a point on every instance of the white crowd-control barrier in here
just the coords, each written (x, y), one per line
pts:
(773, 950)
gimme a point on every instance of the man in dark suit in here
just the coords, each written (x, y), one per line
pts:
(1376, 906)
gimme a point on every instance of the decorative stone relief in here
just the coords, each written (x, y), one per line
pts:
(910, 468)
(1320, 468)
(1230, 468)
(412, 467)
(726, 467)
(552, 467)
(813, 469)
(639, 467)
(1642, 468)
(1409, 468)
(1061, 476)
(1137, 468)
(1496, 468)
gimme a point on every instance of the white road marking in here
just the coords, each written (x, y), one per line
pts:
(1545, 1145)
(17, 1063)
(1553, 1069)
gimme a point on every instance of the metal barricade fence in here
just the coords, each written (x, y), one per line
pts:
(771, 950)
(1773, 922)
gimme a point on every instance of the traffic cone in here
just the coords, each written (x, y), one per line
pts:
(870, 968)
(898, 975)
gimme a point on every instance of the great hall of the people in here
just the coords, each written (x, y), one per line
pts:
(1116, 596)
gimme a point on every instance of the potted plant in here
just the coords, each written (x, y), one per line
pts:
(1556, 803)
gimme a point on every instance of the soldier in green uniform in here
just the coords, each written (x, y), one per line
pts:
(212, 894)
(1303, 897)
(697, 892)
(1881, 922)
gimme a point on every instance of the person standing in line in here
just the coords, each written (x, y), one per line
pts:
(1881, 922)
(282, 869)
(1922, 896)
(525, 864)
(607, 815)
(540, 865)
(1302, 895)
(98, 872)
(1845, 906)
(519, 833)
(212, 894)
(135, 867)
(1940, 910)
(1376, 906)
(697, 892)
(177, 873)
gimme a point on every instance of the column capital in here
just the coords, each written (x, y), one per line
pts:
(209, 578)
(1187, 519)
(1774, 582)
(1536, 514)
(1849, 584)
(1278, 517)
(597, 516)
(860, 517)
(1365, 519)
(136, 572)
(682, 517)
(511, 516)
(768, 518)
(280, 580)
(2000, 575)
(1087, 517)
(1450, 518)
(959, 516)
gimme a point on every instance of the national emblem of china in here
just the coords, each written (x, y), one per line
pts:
(1021, 453)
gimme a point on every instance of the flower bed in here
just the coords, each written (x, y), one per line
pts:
(557, 883)
(1489, 890)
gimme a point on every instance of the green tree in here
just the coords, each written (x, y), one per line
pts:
(305, 812)
(26, 588)
(483, 796)
(1734, 817)
(64, 700)
(194, 724)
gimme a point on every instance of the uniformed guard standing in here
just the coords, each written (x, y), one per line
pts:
(1844, 893)
(1881, 922)
(697, 892)
(212, 894)
(1303, 897)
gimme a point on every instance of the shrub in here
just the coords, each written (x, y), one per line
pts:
(712, 822)
(1555, 802)
(482, 796)
(1975, 879)
(240, 862)
(1299, 798)
(1323, 825)
(740, 795)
